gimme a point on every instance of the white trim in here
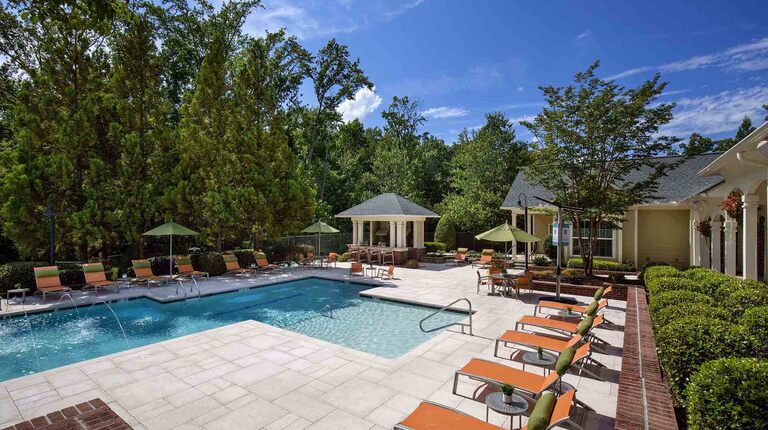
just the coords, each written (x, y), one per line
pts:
(635, 245)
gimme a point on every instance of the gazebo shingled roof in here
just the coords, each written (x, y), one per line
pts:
(388, 204)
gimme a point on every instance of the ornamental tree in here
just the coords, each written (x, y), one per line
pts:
(595, 148)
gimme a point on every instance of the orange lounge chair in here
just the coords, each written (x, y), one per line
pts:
(432, 416)
(459, 258)
(550, 413)
(233, 266)
(332, 258)
(184, 264)
(577, 309)
(142, 270)
(356, 268)
(536, 340)
(47, 281)
(96, 278)
(263, 264)
(485, 259)
(585, 327)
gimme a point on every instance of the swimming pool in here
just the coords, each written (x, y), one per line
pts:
(54, 339)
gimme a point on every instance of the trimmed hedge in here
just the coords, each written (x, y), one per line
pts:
(19, 272)
(681, 310)
(755, 323)
(669, 298)
(211, 262)
(245, 257)
(541, 260)
(734, 285)
(435, 246)
(658, 285)
(687, 343)
(729, 394)
(708, 280)
(650, 273)
(599, 264)
(743, 299)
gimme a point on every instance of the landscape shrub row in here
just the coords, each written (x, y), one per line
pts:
(712, 341)
(600, 264)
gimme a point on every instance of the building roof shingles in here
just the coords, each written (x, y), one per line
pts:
(677, 185)
(388, 204)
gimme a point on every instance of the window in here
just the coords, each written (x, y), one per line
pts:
(603, 244)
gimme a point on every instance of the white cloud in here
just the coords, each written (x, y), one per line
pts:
(363, 104)
(746, 57)
(523, 118)
(405, 7)
(520, 89)
(584, 37)
(445, 112)
(297, 21)
(721, 112)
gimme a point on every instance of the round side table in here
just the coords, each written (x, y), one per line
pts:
(519, 405)
(22, 291)
(545, 361)
(569, 314)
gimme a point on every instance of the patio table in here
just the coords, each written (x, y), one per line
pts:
(545, 361)
(506, 279)
(495, 402)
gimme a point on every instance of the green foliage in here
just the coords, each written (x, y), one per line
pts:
(687, 343)
(72, 277)
(435, 246)
(599, 264)
(669, 298)
(541, 260)
(649, 273)
(587, 121)
(755, 323)
(19, 273)
(446, 232)
(245, 257)
(736, 284)
(210, 262)
(343, 258)
(729, 394)
(160, 265)
(677, 311)
(745, 298)
(671, 283)
(709, 281)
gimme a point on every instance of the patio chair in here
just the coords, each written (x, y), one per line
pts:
(388, 273)
(96, 278)
(364, 256)
(459, 258)
(374, 256)
(263, 265)
(356, 268)
(233, 266)
(388, 257)
(525, 282)
(142, 270)
(47, 281)
(591, 309)
(487, 280)
(303, 262)
(485, 259)
(332, 258)
(184, 264)
(585, 327)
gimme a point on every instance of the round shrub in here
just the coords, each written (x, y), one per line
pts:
(343, 258)
(687, 343)
(435, 247)
(741, 300)
(245, 257)
(682, 310)
(72, 277)
(709, 280)
(211, 262)
(161, 265)
(729, 394)
(663, 284)
(661, 301)
(755, 324)
(541, 260)
(18, 273)
(653, 272)
(445, 232)
(735, 284)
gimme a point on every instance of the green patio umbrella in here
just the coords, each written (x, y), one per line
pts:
(319, 228)
(170, 229)
(506, 233)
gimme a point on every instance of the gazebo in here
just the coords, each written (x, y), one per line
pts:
(394, 223)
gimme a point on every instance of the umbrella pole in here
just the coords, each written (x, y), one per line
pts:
(170, 260)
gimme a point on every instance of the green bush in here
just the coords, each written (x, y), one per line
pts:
(161, 266)
(669, 298)
(211, 262)
(755, 324)
(72, 277)
(741, 300)
(343, 258)
(682, 310)
(709, 281)
(729, 394)
(445, 232)
(671, 283)
(649, 273)
(19, 273)
(736, 284)
(687, 343)
(435, 246)
(598, 264)
(245, 257)
(541, 260)
(550, 250)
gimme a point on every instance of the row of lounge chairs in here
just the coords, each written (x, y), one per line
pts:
(573, 342)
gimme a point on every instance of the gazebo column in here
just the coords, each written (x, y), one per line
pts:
(371, 226)
(418, 234)
(401, 234)
(392, 234)
(714, 244)
(730, 226)
(694, 239)
(749, 236)
(354, 232)
(704, 251)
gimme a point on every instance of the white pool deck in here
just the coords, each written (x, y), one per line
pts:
(255, 376)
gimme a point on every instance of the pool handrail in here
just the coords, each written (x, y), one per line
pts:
(462, 324)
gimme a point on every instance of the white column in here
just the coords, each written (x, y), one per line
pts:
(371, 225)
(418, 234)
(635, 241)
(694, 239)
(714, 245)
(704, 251)
(730, 226)
(354, 232)
(392, 234)
(749, 236)
(401, 234)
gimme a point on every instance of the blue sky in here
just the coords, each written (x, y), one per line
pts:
(462, 59)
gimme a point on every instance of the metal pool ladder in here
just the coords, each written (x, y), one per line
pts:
(462, 324)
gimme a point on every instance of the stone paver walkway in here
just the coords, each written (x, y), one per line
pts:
(252, 375)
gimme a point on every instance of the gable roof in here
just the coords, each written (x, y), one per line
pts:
(677, 185)
(388, 204)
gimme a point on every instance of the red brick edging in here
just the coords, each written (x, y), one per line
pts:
(92, 415)
(630, 414)
(619, 290)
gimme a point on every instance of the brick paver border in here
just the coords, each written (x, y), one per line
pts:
(91, 415)
(630, 411)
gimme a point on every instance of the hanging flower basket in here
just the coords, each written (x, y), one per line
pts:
(705, 228)
(732, 205)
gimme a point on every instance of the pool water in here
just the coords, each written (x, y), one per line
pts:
(53, 339)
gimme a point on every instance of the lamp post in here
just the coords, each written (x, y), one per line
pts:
(560, 208)
(51, 215)
(525, 223)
